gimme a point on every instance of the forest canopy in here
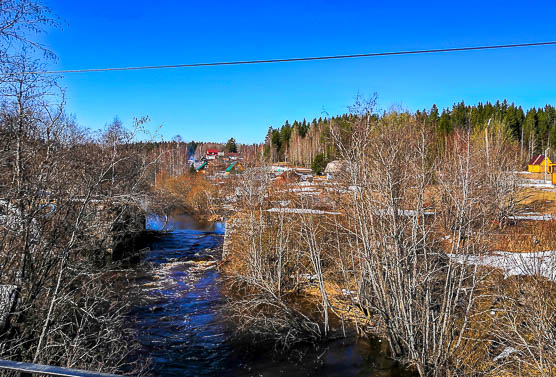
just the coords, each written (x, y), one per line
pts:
(535, 129)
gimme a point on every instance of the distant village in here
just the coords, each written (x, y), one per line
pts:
(216, 163)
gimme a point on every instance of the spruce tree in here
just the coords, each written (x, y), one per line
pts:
(319, 164)
(433, 115)
(231, 145)
(444, 123)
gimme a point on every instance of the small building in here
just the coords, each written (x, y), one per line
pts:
(212, 154)
(335, 168)
(203, 164)
(279, 168)
(232, 156)
(304, 174)
(540, 164)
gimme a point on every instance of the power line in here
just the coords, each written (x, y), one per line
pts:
(285, 60)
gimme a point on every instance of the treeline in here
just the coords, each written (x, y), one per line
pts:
(535, 129)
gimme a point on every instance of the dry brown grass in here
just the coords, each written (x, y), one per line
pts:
(526, 236)
(538, 200)
(192, 193)
(527, 175)
(513, 312)
(344, 306)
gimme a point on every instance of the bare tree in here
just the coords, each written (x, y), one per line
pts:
(66, 196)
(266, 265)
(406, 206)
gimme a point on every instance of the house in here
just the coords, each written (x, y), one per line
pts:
(212, 154)
(304, 174)
(540, 164)
(335, 168)
(279, 168)
(202, 165)
(232, 156)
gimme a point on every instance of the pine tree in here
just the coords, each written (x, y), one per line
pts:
(529, 131)
(444, 123)
(459, 115)
(319, 164)
(433, 115)
(231, 145)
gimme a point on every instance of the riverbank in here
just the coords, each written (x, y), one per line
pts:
(180, 316)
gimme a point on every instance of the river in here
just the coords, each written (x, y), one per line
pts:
(180, 324)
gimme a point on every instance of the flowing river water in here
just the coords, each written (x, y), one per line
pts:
(184, 332)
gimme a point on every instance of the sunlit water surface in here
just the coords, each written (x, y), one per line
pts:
(182, 329)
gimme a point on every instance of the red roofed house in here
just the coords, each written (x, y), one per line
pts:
(212, 154)
(540, 164)
(233, 156)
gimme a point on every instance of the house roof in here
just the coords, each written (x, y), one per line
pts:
(537, 160)
(212, 151)
(336, 166)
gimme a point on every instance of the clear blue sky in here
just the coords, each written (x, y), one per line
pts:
(213, 104)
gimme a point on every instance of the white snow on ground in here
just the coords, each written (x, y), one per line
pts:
(412, 212)
(403, 212)
(310, 193)
(534, 181)
(304, 189)
(542, 263)
(538, 185)
(532, 217)
(302, 211)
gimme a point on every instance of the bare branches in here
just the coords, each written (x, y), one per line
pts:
(20, 21)
(67, 198)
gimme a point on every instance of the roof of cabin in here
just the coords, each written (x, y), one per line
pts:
(336, 166)
(537, 160)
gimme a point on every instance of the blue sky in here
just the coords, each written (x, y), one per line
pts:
(213, 104)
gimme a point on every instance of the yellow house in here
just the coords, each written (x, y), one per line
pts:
(539, 164)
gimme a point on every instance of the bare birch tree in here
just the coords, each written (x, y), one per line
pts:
(406, 206)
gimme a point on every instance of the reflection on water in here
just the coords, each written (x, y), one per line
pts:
(182, 222)
(180, 325)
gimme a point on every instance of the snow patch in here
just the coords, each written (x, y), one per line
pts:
(532, 217)
(540, 184)
(542, 263)
(505, 353)
(302, 211)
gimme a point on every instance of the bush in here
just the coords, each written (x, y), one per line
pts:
(319, 163)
